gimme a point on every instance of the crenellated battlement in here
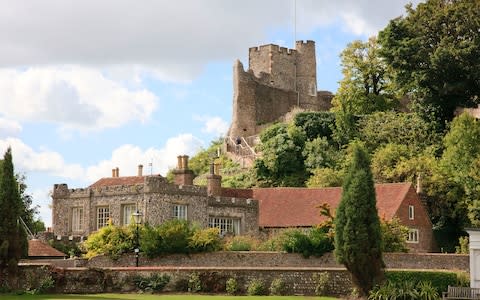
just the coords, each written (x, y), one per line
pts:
(272, 48)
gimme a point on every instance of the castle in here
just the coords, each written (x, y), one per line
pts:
(278, 80)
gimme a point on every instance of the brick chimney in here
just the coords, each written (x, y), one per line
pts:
(140, 171)
(214, 181)
(182, 175)
(117, 172)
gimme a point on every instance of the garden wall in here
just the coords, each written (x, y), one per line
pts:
(279, 259)
(93, 280)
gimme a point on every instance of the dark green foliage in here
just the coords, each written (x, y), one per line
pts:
(316, 124)
(316, 242)
(282, 161)
(397, 128)
(13, 241)
(357, 226)
(176, 235)
(152, 283)
(440, 280)
(434, 51)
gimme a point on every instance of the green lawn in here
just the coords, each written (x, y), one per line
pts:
(153, 297)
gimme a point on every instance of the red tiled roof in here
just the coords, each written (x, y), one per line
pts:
(237, 193)
(296, 207)
(37, 248)
(126, 180)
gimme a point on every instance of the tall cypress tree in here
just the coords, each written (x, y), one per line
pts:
(13, 244)
(357, 225)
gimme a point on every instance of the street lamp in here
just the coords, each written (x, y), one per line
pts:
(138, 220)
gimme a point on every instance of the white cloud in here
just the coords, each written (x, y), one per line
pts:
(41, 197)
(171, 39)
(213, 125)
(27, 159)
(128, 157)
(74, 97)
(9, 128)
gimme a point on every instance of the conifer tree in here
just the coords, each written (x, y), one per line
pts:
(357, 225)
(13, 244)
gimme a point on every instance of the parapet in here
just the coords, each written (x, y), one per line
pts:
(232, 202)
(271, 47)
(62, 191)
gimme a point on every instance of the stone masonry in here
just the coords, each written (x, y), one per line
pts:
(154, 197)
(278, 79)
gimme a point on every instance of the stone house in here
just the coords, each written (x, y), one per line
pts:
(79, 212)
(281, 208)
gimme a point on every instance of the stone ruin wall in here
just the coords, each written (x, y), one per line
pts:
(265, 93)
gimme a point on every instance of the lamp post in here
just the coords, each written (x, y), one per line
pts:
(138, 220)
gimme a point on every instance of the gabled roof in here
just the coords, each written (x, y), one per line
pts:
(126, 180)
(297, 207)
(37, 248)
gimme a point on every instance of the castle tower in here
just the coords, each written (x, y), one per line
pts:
(277, 80)
(306, 74)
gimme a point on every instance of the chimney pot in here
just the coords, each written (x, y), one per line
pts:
(179, 162)
(113, 172)
(117, 172)
(140, 170)
(185, 162)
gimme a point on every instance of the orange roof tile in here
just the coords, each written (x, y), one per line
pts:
(125, 180)
(297, 207)
(37, 248)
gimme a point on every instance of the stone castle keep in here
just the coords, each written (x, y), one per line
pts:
(278, 80)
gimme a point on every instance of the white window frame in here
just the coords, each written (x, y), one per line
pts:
(413, 236)
(127, 212)
(180, 212)
(225, 224)
(78, 219)
(411, 212)
(103, 216)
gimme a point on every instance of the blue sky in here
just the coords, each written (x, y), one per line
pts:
(87, 86)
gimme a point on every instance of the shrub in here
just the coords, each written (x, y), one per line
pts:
(231, 286)
(110, 240)
(296, 242)
(463, 279)
(256, 287)
(150, 241)
(317, 242)
(206, 240)
(181, 285)
(153, 283)
(175, 236)
(394, 236)
(463, 245)
(404, 290)
(240, 243)
(440, 280)
(278, 287)
(194, 283)
(321, 283)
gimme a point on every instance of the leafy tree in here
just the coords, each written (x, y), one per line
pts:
(357, 225)
(434, 51)
(13, 242)
(366, 86)
(325, 177)
(319, 153)
(282, 163)
(316, 124)
(397, 128)
(394, 236)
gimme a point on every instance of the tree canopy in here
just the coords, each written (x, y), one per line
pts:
(434, 52)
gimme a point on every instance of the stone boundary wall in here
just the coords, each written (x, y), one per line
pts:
(299, 281)
(243, 259)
